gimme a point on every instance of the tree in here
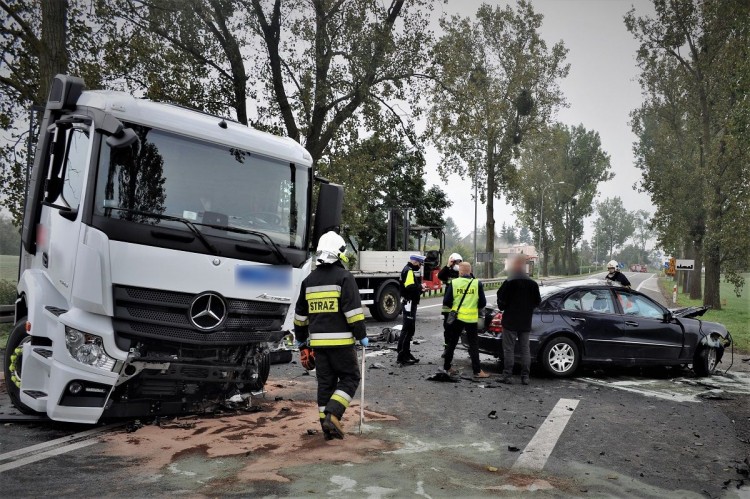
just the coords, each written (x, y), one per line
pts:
(524, 235)
(614, 223)
(642, 233)
(395, 179)
(559, 176)
(452, 233)
(702, 49)
(496, 82)
(38, 40)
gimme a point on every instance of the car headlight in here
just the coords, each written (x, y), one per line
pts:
(87, 349)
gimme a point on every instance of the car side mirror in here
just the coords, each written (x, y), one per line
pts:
(667, 317)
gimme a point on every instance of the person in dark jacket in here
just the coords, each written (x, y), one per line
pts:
(411, 292)
(446, 275)
(517, 298)
(329, 317)
(615, 275)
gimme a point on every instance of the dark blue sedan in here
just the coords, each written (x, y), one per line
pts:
(595, 323)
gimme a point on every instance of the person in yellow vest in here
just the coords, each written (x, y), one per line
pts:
(465, 296)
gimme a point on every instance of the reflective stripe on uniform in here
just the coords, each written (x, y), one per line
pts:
(354, 315)
(331, 339)
(300, 320)
(322, 411)
(341, 397)
(322, 294)
(331, 287)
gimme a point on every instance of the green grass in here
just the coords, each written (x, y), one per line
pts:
(9, 267)
(735, 312)
(4, 333)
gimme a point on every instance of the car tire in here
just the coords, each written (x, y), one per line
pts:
(560, 357)
(389, 304)
(12, 365)
(705, 361)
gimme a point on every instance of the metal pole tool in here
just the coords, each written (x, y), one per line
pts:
(362, 393)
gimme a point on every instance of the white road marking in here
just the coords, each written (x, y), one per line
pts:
(538, 450)
(45, 455)
(429, 306)
(645, 281)
(53, 443)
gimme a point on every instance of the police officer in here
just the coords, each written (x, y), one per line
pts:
(446, 275)
(330, 318)
(465, 296)
(411, 292)
(614, 275)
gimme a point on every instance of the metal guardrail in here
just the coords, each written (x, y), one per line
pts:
(7, 313)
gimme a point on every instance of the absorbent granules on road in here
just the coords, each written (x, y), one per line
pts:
(271, 441)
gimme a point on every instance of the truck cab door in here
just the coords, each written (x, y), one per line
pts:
(60, 221)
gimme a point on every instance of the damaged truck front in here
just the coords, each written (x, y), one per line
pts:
(162, 250)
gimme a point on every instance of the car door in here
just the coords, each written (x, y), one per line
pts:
(593, 315)
(648, 336)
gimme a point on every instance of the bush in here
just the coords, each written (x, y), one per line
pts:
(7, 292)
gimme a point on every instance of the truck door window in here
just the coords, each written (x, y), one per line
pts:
(74, 167)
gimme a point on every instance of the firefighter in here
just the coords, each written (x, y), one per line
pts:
(613, 274)
(446, 275)
(411, 291)
(329, 318)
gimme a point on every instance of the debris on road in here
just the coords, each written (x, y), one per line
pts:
(513, 448)
(443, 377)
(376, 365)
(492, 415)
(491, 469)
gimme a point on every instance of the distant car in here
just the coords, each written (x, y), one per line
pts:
(594, 323)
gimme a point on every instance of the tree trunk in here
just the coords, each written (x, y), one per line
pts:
(696, 285)
(490, 226)
(53, 55)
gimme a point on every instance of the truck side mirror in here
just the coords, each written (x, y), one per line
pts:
(126, 138)
(328, 210)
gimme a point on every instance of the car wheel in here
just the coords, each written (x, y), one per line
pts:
(560, 357)
(705, 361)
(389, 305)
(13, 364)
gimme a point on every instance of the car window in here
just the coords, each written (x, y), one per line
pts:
(638, 305)
(594, 300)
(76, 161)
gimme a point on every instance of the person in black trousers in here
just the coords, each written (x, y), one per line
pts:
(517, 298)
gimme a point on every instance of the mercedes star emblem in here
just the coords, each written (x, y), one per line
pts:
(208, 311)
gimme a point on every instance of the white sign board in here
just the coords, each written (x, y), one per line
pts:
(684, 264)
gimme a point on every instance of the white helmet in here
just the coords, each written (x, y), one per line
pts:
(455, 257)
(613, 263)
(331, 248)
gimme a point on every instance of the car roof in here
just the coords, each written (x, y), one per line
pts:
(554, 287)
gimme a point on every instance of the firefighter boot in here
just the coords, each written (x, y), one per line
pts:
(326, 433)
(333, 426)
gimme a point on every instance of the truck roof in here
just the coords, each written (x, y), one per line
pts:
(192, 123)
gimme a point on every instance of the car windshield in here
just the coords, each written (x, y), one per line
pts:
(204, 183)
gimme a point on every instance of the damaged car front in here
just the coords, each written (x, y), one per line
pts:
(707, 341)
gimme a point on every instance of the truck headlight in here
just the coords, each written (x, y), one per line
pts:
(87, 349)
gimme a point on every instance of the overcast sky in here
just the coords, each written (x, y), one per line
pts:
(601, 90)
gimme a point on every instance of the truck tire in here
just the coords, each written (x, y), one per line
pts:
(389, 304)
(264, 369)
(12, 365)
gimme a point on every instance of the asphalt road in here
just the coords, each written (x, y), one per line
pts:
(647, 433)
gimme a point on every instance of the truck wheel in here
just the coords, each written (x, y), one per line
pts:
(389, 305)
(264, 369)
(12, 365)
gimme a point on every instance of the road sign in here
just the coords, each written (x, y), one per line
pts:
(671, 269)
(484, 257)
(684, 264)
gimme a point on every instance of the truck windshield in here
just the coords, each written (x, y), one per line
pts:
(205, 183)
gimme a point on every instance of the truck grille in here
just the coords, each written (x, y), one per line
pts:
(164, 315)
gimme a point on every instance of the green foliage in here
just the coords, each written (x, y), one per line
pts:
(452, 233)
(8, 292)
(10, 237)
(694, 133)
(560, 172)
(614, 224)
(394, 179)
(496, 83)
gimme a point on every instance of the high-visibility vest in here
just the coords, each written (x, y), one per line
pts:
(469, 311)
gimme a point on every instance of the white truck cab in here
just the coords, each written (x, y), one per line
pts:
(163, 249)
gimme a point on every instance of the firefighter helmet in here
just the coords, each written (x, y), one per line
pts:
(331, 248)
(613, 264)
